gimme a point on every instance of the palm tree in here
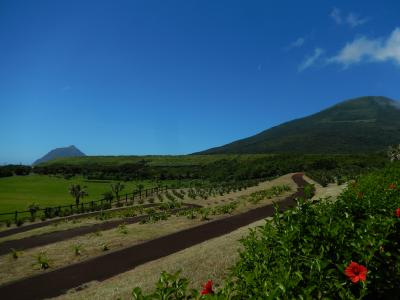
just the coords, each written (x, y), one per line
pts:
(116, 188)
(77, 192)
(394, 153)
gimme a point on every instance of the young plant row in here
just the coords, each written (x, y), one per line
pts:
(274, 191)
(213, 190)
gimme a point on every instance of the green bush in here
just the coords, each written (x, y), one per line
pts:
(169, 286)
(43, 261)
(14, 253)
(122, 229)
(274, 191)
(309, 191)
(77, 249)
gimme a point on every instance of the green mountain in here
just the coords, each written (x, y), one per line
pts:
(363, 124)
(70, 151)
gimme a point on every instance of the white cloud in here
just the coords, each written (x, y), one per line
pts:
(298, 43)
(336, 15)
(352, 19)
(311, 60)
(364, 49)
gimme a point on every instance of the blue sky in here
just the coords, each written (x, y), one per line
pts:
(175, 77)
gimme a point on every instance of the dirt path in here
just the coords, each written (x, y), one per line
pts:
(54, 283)
(57, 236)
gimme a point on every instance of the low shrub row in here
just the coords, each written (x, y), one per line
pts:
(274, 191)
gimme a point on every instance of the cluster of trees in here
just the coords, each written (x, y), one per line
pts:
(10, 170)
(123, 172)
(223, 169)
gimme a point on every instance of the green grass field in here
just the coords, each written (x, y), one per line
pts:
(18, 192)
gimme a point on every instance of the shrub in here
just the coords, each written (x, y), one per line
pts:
(43, 261)
(169, 286)
(204, 214)
(33, 208)
(19, 222)
(122, 229)
(309, 191)
(14, 253)
(191, 214)
(318, 241)
(78, 249)
(277, 190)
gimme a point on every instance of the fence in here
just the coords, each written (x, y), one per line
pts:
(66, 210)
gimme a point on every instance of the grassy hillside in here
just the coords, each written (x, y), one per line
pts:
(364, 124)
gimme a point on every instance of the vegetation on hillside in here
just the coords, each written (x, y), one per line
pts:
(11, 170)
(360, 125)
(214, 168)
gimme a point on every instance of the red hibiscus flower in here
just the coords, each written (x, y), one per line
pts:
(207, 288)
(392, 186)
(398, 212)
(356, 272)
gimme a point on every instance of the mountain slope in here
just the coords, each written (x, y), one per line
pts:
(70, 151)
(358, 125)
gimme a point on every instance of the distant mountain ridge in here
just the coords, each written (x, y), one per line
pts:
(70, 151)
(364, 124)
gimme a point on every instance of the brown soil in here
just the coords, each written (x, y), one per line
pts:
(56, 236)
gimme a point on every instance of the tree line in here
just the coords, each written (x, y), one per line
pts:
(223, 169)
(11, 170)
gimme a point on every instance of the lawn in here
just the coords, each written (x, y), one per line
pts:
(18, 192)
